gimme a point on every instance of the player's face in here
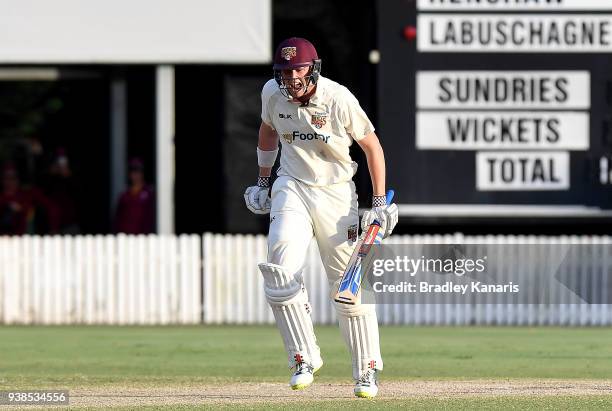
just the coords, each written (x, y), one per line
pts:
(295, 80)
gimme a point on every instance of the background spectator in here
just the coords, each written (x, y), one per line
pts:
(60, 187)
(136, 208)
(24, 210)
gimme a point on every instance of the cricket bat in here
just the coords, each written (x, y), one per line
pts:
(353, 275)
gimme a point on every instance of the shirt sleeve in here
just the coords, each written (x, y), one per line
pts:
(355, 120)
(266, 94)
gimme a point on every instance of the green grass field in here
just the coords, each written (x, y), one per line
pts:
(104, 358)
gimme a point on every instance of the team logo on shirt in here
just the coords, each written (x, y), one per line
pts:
(289, 52)
(296, 135)
(318, 120)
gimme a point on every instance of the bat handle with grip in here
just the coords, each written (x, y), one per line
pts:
(390, 194)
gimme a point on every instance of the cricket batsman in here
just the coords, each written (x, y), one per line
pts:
(316, 121)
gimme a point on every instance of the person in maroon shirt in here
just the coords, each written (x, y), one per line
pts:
(23, 208)
(61, 188)
(136, 208)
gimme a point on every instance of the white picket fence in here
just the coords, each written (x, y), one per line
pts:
(100, 280)
(232, 286)
(214, 280)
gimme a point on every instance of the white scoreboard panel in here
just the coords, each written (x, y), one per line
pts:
(497, 105)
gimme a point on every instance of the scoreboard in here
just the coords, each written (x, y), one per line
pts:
(497, 107)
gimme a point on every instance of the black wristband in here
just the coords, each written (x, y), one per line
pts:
(379, 201)
(263, 182)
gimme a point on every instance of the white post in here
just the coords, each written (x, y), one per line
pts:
(165, 149)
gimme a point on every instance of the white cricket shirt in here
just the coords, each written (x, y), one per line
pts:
(315, 139)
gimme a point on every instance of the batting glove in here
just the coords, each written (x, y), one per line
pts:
(386, 214)
(256, 197)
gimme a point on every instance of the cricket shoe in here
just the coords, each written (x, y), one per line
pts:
(366, 386)
(304, 373)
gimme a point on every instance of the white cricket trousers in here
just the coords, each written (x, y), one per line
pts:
(300, 212)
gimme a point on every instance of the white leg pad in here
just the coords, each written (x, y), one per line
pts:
(359, 327)
(288, 299)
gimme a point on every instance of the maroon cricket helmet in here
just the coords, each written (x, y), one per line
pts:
(293, 53)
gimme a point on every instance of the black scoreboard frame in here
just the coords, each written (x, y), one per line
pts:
(442, 184)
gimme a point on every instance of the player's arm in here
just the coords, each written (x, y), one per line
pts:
(268, 144)
(386, 214)
(376, 162)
